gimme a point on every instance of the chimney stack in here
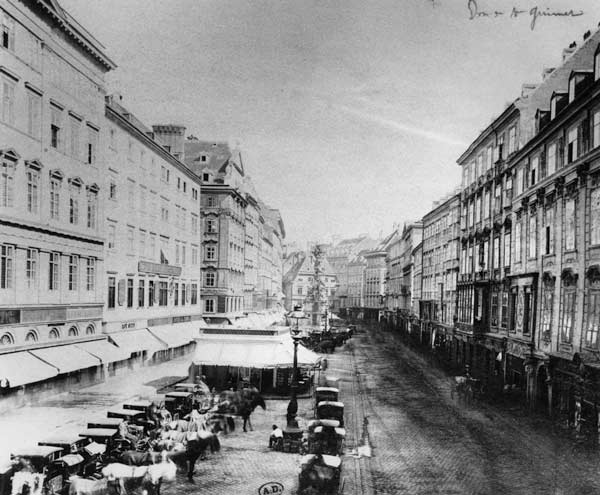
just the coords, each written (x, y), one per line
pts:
(567, 52)
(527, 89)
(172, 136)
(546, 72)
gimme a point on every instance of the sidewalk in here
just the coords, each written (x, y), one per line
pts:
(70, 412)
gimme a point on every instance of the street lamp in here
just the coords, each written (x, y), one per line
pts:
(292, 409)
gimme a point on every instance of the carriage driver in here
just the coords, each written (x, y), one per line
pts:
(276, 434)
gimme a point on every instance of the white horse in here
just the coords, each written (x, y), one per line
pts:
(84, 486)
(155, 473)
(26, 483)
(125, 474)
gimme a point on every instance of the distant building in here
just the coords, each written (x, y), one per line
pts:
(441, 239)
(339, 256)
(299, 280)
(375, 278)
(242, 239)
(356, 275)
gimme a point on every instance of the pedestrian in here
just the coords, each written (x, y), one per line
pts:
(4, 386)
(276, 434)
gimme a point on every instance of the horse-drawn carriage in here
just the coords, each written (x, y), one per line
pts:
(71, 444)
(466, 389)
(106, 423)
(179, 403)
(325, 436)
(107, 437)
(319, 474)
(132, 416)
(81, 455)
(42, 460)
(331, 410)
(326, 394)
(144, 406)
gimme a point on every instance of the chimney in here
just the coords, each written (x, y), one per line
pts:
(172, 136)
(527, 89)
(546, 72)
(567, 52)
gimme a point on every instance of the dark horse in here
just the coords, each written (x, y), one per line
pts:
(248, 406)
(196, 447)
(242, 402)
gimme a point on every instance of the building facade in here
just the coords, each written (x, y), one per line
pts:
(339, 256)
(152, 220)
(242, 237)
(356, 297)
(52, 166)
(299, 283)
(375, 278)
(440, 264)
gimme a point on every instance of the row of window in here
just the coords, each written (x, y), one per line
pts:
(515, 309)
(75, 266)
(489, 155)
(67, 133)
(165, 171)
(147, 246)
(155, 293)
(8, 338)
(529, 229)
(9, 183)
(148, 205)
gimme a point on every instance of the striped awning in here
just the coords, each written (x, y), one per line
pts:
(104, 350)
(66, 358)
(138, 341)
(21, 368)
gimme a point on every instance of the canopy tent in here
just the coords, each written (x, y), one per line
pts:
(138, 341)
(104, 350)
(21, 368)
(67, 358)
(256, 354)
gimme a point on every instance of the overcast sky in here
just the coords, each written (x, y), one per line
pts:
(350, 113)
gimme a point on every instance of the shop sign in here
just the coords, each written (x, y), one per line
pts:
(155, 322)
(84, 313)
(517, 349)
(181, 319)
(159, 269)
(43, 315)
(9, 316)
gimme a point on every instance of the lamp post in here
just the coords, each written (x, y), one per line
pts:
(292, 409)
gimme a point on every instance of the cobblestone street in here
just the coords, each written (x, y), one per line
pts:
(421, 441)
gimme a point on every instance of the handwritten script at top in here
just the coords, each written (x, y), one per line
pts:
(534, 13)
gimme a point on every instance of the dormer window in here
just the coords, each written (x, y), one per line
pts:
(597, 64)
(205, 177)
(572, 88)
(553, 107)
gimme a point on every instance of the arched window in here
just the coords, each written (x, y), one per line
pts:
(90, 330)
(7, 339)
(73, 331)
(31, 336)
(54, 334)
